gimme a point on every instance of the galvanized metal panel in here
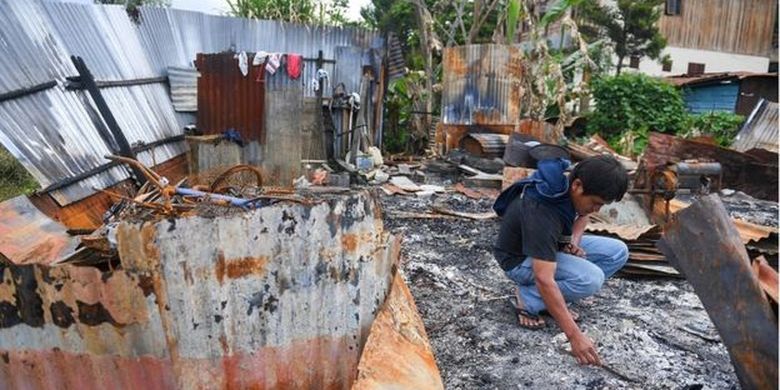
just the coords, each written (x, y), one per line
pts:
(54, 134)
(109, 43)
(184, 88)
(173, 38)
(349, 64)
(481, 85)
(760, 129)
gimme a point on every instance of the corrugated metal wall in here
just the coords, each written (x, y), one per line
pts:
(54, 133)
(227, 98)
(481, 85)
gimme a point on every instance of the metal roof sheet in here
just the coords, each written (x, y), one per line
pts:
(760, 129)
(481, 85)
(684, 79)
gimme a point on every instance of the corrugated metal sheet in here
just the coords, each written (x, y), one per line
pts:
(28, 236)
(173, 38)
(485, 144)
(481, 85)
(626, 232)
(396, 65)
(709, 98)
(760, 129)
(184, 88)
(54, 132)
(280, 297)
(227, 98)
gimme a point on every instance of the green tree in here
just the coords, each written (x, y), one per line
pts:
(631, 25)
(323, 12)
(630, 105)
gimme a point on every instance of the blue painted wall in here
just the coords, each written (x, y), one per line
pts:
(712, 97)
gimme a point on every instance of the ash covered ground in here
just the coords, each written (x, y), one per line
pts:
(650, 333)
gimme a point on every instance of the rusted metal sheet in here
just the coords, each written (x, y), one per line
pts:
(740, 171)
(767, 277)
(28, 236)
(748, 232)
(278, 297)
(229, 100)
(626, 232)
(397, 354)
(702, 242)
(760, 129)
(481, 85)
(485, 144)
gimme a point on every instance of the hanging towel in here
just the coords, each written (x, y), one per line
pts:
(294, 65)
(243, 64)
(274, 60)
(259, 58)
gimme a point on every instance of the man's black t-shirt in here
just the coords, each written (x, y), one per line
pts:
(529, 228)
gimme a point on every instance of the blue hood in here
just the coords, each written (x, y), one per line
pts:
(549, 185)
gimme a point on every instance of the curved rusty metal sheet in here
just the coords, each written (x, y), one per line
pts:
(702, 242)
(397, 354)
(29, 236)
(282, 296)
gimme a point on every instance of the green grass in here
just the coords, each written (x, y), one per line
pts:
(14, 179)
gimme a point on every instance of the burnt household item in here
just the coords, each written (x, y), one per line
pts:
(699, 177)
(486, 145)
(517, 148)
(547, 151)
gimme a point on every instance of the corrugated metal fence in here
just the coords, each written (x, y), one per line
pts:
(482, 85)
(54, 132)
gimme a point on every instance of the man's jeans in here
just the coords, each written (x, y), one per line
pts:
(576, 277)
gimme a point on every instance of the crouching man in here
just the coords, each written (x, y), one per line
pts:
(541, 245)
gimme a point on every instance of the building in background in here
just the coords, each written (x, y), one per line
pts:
(716, 36)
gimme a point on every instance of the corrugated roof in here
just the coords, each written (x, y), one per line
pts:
(685, 80)
(760, 129)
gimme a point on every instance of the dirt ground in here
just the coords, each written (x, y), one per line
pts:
(651, 333)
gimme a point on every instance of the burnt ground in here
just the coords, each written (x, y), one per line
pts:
(650, 333)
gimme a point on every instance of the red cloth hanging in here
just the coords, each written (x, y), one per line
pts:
(294, 65)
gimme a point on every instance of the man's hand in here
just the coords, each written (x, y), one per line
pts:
(574, 249)
(583, 350)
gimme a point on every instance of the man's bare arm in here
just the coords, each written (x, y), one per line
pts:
(581, 346)
(578, 229)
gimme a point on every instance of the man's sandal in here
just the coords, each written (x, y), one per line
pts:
(540, 323)
(574, 315)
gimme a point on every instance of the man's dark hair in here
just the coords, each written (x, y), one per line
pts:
(602, 176)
